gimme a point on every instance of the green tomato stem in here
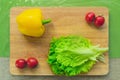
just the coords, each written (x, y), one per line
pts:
(46, 21)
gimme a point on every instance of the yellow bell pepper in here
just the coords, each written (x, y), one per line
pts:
(31, 23)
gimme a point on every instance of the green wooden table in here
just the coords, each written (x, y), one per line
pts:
(112, 5)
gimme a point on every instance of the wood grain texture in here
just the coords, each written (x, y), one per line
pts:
(65, 21)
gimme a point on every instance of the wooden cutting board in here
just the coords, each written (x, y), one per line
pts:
(65, 21)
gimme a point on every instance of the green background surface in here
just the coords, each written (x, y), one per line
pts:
(112, 5)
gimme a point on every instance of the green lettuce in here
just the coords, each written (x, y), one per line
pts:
(72, 55)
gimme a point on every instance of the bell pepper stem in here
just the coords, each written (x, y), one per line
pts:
(46, 21)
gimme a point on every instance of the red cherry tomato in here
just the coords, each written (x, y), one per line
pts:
(90, 17)
(99, 21)
(32, 62)
(20, 63)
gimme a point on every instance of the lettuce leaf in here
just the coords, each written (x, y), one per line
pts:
(72, 55)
